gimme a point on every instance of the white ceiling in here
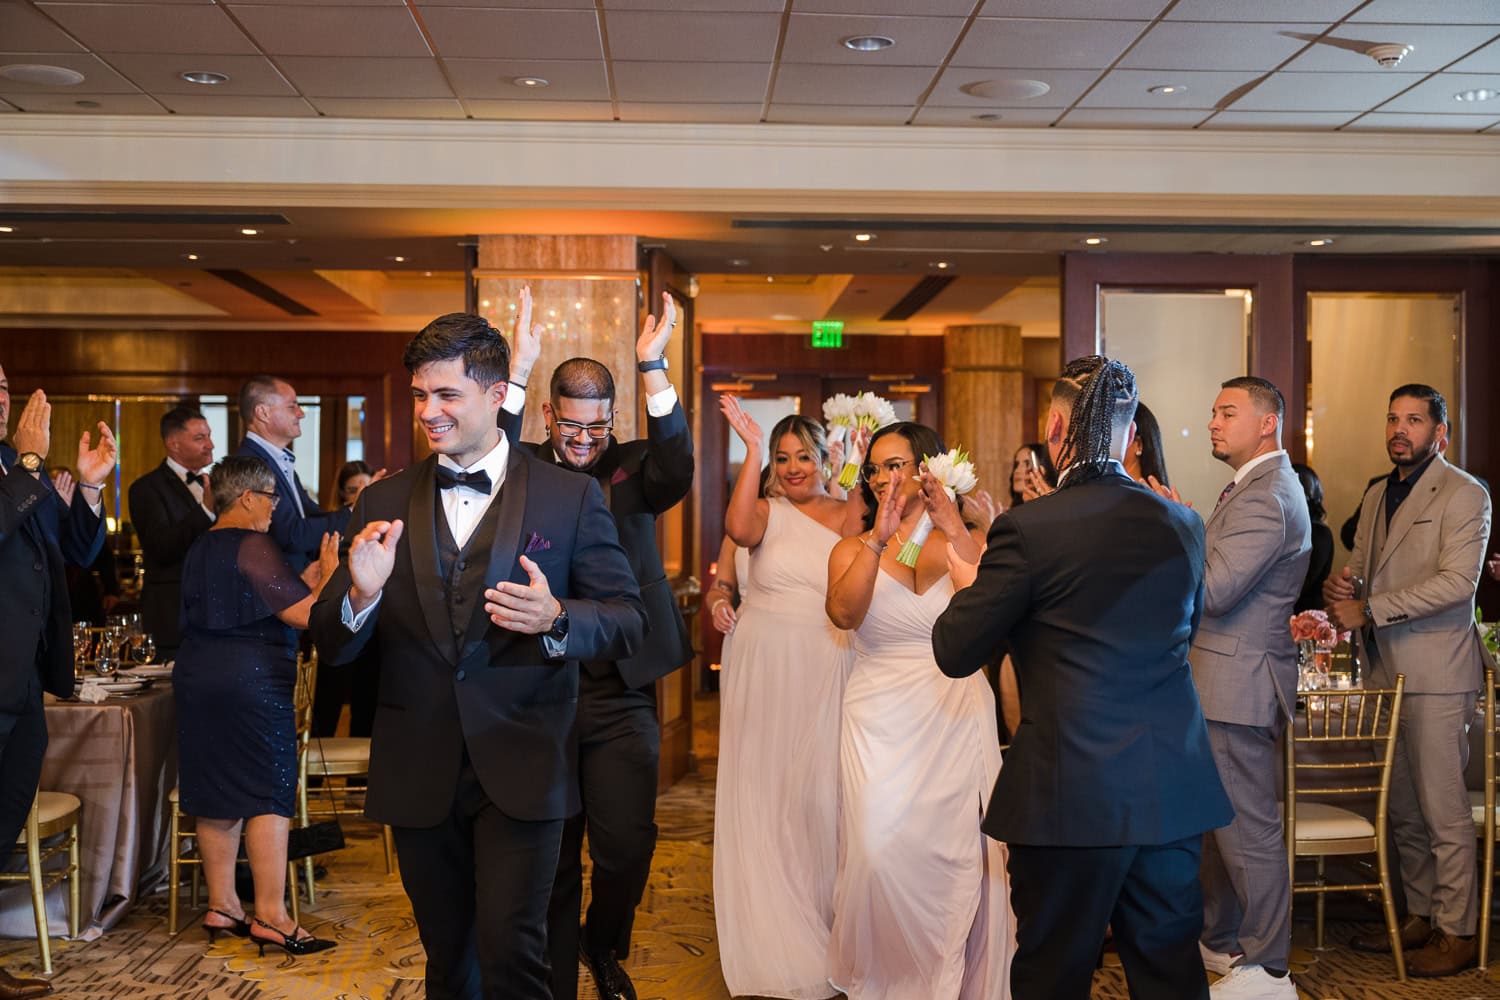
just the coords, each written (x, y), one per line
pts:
(1246, 64)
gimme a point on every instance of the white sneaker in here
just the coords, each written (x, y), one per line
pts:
(1251, 982)
(1218, 961)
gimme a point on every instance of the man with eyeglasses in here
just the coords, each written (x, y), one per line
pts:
(619, 742)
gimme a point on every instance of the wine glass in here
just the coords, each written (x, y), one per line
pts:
(143, 649)
(83, 642)
(108, 661)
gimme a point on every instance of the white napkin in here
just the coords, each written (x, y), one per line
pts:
(92, 693)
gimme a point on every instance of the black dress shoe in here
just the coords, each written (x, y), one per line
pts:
(15, 988)
(609, 978)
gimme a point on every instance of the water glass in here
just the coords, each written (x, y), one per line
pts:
(143, 649)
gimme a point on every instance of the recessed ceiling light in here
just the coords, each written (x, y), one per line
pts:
(1095, 241)
(863, 237)
(941, 265)
(770, 278)
(1167, 88)
(1321, 241)
(868, 43)
(1482, 94)
(1011, 89)
(398, 260)
(189, 256)
(7, 229)
(529, 81)
(38, 73)
(426, 274)
(205, 77)
(249, 232)
(738, 262)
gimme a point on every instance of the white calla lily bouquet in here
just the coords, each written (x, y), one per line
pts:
(845, 414)
(955, 472)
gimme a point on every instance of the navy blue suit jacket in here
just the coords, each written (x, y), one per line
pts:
(299, 535)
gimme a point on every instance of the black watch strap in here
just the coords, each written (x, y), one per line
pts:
(659, 365)
(559, 629)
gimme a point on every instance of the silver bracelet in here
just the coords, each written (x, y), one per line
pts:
(870, 544)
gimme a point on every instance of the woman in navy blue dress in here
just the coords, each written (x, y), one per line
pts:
(234, 686)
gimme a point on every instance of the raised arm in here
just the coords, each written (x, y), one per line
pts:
(980, 617)
(854, 563)
(746, 518)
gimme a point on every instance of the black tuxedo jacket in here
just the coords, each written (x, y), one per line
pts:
(495, 693)
(37, 535)
(1097, 589)
(641, 481)
(167, 519)
(299, 535)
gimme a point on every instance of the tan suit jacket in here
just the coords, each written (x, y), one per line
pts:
(1420, 579)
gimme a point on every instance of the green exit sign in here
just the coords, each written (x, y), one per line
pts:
(828, 333)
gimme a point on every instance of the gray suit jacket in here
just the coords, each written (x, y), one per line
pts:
(1258, 543)
(1420, 577)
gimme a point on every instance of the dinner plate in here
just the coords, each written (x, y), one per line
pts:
(115, 687)
(147, 670)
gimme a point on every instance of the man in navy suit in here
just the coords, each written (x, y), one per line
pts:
(273, 420)
(1110, 784)
(38, 532)
(479, 579)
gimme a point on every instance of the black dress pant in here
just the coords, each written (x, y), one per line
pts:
(619, 745)
(357, 683)
(1065, 898)
(23, 744)
(479, 883)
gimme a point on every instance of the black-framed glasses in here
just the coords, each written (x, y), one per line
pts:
(870, 470)
(571, 429)
(275, 498)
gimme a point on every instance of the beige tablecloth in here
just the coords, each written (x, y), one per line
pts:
(120, 758)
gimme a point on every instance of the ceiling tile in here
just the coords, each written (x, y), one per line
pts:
(1129, 88)
(229, 104)
(339, 77)
(579, 80)
(1012, 117)
(834, 114)
(1323, 12)
(727, 83)
(772, 6)
(24, 30)
(1380, 121)
(647, 35)
(1129, 10)
(659, 112)
(1486, 60)
(1196, 45)
(1066, 86)
(358, 107)
(513, 34)
(522, 4)
(332, 3)
(1433, 47)
(333, 31)
(1293, 120)
(1428, 12)
(1435, 95)
(887, 85)
(109, 104)
(140, 27)
(249, 76)
(98, 78)
(920, 41)
(1325, 91)
(558, 111)
(875, 8)
(1133, 117)
(1046, 44)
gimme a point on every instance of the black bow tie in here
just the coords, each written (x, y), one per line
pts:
(196, 478)
(477, 481)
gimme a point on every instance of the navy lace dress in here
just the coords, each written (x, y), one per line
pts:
(235, 678)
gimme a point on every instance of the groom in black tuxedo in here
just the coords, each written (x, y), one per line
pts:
(1109, 785)
(479, 578)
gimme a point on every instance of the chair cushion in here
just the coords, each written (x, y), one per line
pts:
(53, 808)
(1321, 821)
(340, 750)
(1476, 809)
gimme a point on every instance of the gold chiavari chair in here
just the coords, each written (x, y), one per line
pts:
(51, 813)
(1484, 806)
(302, 702)
(1345, 754)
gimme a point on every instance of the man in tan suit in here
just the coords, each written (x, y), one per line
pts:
(1421, 546)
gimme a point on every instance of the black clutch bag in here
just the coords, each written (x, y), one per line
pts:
(315, 838)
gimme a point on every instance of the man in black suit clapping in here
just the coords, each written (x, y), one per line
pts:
(1109, 784)
(170, 507)
(619, 742)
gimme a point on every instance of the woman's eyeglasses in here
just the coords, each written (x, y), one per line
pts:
(870, 470)
(570, 429)
(275, 498)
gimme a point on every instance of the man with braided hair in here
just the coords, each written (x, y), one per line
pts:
(1109, 785)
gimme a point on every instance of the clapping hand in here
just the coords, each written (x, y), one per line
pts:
(95, 464)
(526, 340)
(982, 509)
(320, 572)
(372, 556)
(528, 608)
(744, 425)
(1035, 484)
(652, 343)
(889, 511)
(1166, 492)
(940, 507)
(34, 428)
(64, 485)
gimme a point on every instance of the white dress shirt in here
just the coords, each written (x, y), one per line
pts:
(287, 460)
(1244, 470)
(196, 489)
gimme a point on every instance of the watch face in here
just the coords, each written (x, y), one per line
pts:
(31, 461)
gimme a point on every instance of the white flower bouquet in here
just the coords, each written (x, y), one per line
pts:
(955, 472)
(867, 412)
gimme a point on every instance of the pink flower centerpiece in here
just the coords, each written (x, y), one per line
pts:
(1315, 626)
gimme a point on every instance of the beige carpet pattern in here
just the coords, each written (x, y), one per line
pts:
(675, 955)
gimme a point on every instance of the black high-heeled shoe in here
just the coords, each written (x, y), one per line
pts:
(290, 943)
(239, 927)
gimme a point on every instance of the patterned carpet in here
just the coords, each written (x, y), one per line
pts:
(675, 956)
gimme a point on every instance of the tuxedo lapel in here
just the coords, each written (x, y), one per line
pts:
(421, 526)
(509, 518)
(1411, 509)
(175, 487)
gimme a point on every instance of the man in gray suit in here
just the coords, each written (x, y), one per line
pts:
(1420, 546)
(1258, 543)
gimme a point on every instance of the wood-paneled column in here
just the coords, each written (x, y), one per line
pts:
(984, 390)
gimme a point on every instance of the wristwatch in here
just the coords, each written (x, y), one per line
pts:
(30, 461)
(1370, 615)
(659, 365)
(559, 629)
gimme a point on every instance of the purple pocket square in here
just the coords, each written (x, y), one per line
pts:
(619, 477)
(536, 543)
